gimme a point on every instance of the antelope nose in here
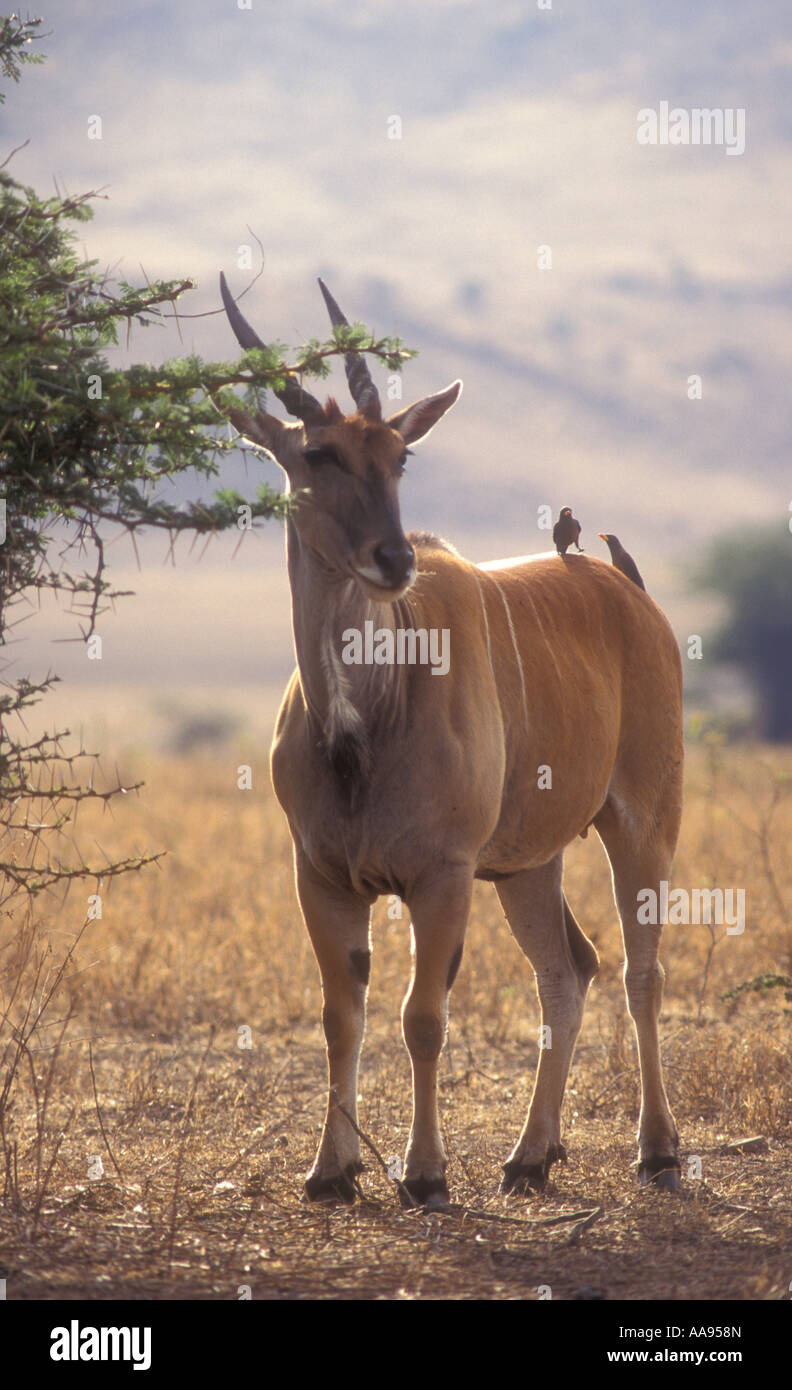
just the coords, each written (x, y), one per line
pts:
(395, 562)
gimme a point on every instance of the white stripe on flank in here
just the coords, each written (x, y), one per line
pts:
(545, 640)
(516, 648)
(486, 626)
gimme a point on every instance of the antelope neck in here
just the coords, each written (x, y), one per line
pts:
(325, 604)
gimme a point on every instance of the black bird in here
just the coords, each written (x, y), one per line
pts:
(621, 560)
(566, 531)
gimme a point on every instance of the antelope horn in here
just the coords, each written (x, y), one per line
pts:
(364, 392)
(298, 402)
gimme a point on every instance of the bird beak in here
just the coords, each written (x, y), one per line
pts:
(602, 535)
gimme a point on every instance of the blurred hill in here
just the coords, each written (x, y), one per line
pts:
(518, 131)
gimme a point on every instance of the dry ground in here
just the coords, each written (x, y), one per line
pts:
(179, 1175)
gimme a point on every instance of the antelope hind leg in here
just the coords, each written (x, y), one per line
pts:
(638, 866)
(565, 962)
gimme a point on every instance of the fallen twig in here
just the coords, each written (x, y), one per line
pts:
(586, 1216)
(584, 1225)
(403, 1191)
(99, 1113)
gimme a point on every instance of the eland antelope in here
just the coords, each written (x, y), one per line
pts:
(560, 709)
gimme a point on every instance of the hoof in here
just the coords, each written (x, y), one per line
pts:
(661, 1173)
(341, 1188)
(425, 1192)
(522, 1178)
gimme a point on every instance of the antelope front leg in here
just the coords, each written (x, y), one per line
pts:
(338, 924)
(439, 920)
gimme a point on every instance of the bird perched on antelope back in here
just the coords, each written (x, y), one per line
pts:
(621, 560)
(566, 531)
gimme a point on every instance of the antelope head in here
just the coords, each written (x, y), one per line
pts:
(347, 467)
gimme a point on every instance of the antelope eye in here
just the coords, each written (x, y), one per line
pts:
(318, 456)
(403, 460)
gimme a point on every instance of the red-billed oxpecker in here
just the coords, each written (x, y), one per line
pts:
(621, 559)
(566, 531)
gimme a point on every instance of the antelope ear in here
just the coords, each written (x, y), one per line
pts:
(267, 431)
(415, 421)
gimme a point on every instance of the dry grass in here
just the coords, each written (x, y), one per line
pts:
(203, 1144)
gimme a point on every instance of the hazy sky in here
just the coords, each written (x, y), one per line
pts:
(517, 130)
